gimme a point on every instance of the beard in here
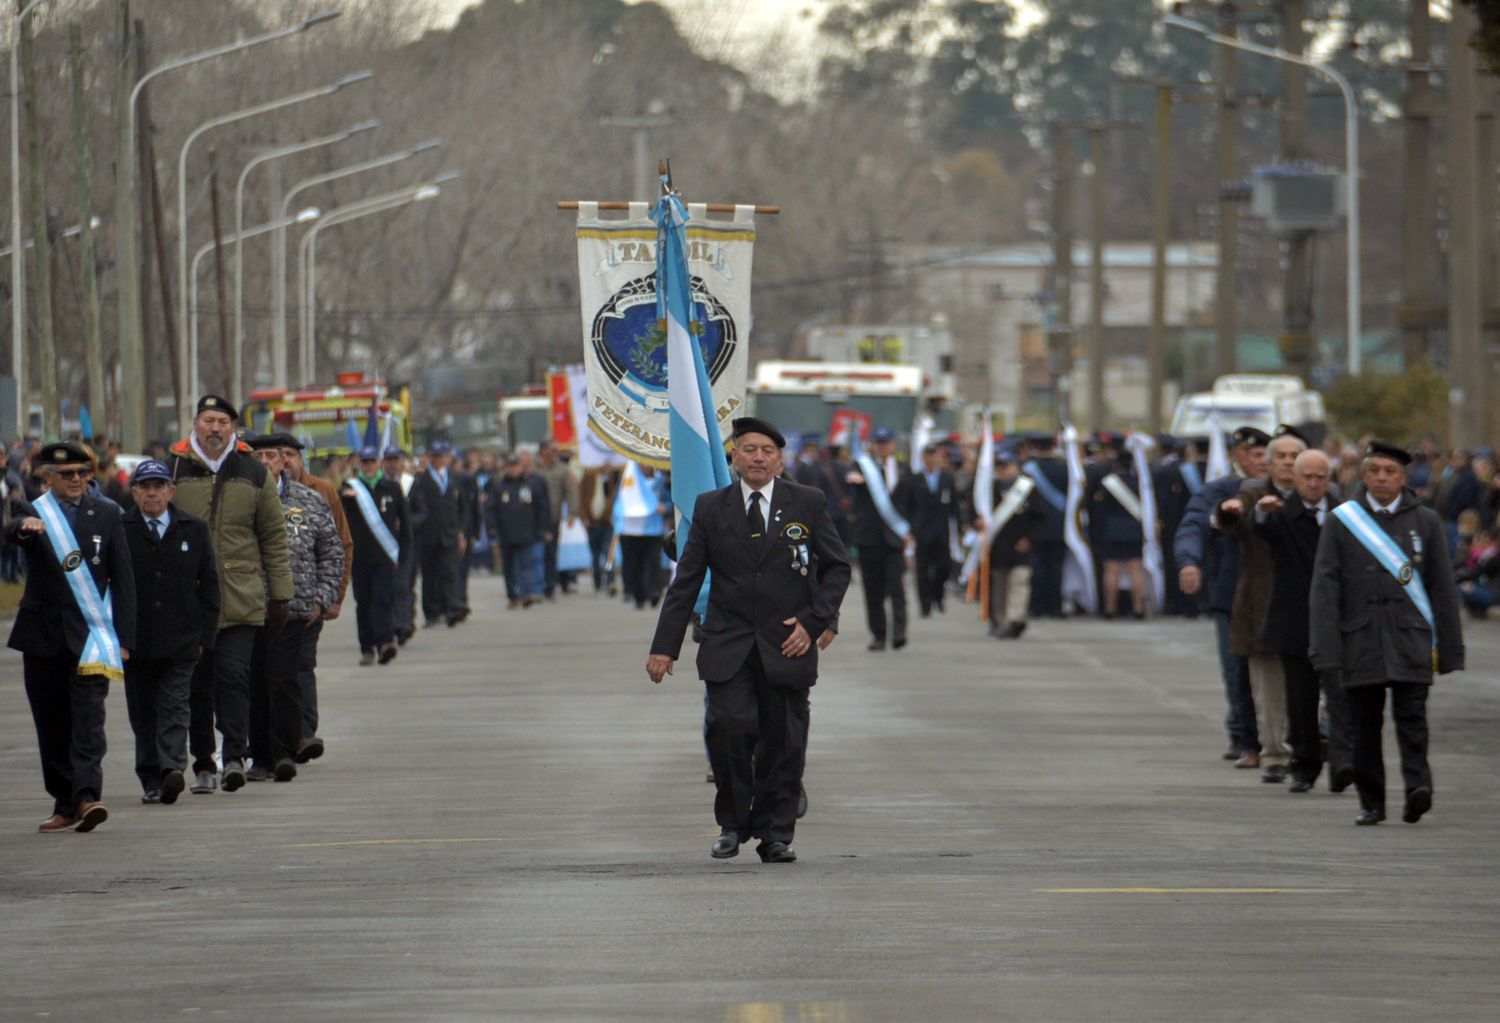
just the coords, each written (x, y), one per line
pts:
(213, 445)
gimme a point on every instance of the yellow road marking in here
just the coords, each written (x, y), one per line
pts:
(399, 841)
(1192, 891)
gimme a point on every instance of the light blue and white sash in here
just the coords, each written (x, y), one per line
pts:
(1056, 498)
(1191, 476)
(1390, 556)
(875, 480)
(101, 652)
(371, 515)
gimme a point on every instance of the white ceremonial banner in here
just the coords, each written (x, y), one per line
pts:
(624, 345)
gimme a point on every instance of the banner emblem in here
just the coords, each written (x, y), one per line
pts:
(72, 561)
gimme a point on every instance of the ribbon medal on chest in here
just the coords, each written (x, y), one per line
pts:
(795, 535)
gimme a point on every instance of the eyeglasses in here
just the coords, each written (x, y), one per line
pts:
(69, 474)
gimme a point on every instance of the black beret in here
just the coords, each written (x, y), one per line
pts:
(749, 424)
(1385, 449)
(214, 403)
(65, 452)
(1250, 436)
(288, 441)
(1287, 430)
(265, 441)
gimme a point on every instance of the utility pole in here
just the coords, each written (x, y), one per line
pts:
(1161, 226)
(132, 395)
(1418, 314)
(93, 345)
(41, 245)
(1465, 250)
(220, 280)
(645, 187)
(1060, 332)
(1229, 212)
(1095, 342)
(1297, 342)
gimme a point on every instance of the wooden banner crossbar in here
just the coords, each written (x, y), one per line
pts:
(713, 207)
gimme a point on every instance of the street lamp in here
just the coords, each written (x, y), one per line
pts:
(307, 255)
(278, 245)
(182, 155)
(17, 265)
(71, 232)
(239, 227)
(239, 237)
(1351, 156)
(131, 357)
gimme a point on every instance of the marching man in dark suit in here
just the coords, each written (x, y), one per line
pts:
(74, 628)
(938, 512)
(1385, 616)
(381, 527)
(177, 591)
(779, 572)
(440, 515)
(883, 510)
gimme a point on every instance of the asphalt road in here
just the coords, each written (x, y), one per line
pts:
(512, 823)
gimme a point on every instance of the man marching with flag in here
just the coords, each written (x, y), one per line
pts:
(75, 628)
(775, 572)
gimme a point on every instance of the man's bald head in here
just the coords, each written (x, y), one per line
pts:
(1310, 475)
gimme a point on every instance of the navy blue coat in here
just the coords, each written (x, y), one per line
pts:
(1216, 553)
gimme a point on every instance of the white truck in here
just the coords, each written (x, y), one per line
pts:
(1264, 401)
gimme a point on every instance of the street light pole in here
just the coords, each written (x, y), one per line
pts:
(184, 308)
(17, 268)
(132, 349)
(236, 371)
(237, 239)
(1351, 158)
(307, 255)
(279, 344)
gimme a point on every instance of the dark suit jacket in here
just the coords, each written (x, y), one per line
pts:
(177, 587)
(1051, 528)
(48, 622)
(934, 510)
(870, 529)
(438, 518)
(754, 587)
(391, 505)
(1291, 535)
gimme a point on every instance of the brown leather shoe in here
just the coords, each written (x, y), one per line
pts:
(57, 822)
(1249, 758)
(91, 815)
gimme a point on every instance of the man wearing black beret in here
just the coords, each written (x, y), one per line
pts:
(1385, 617)
(778, 574)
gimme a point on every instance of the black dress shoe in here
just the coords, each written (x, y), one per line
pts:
(1300, 785)
(776, 852)
(1418, 802)
(1340, 779)
(726, 846)
(1369, 817)
(1273, 775)
(802, 803)
(1015, 629)
(1234, 751)
(172, 784)
(898, 642)
(876, 645)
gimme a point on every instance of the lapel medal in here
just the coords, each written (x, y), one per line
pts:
(97, 541)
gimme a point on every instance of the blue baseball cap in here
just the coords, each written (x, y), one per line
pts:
(369, 453)
(440, 447)
(393, 452)
(151, 469)
(881, 433)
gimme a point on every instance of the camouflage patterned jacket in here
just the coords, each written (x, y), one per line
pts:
(317, 553)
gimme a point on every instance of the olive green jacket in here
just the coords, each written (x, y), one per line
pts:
(248, 526)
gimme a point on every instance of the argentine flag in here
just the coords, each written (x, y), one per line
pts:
(698, 463)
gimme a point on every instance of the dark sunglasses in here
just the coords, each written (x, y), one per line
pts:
(69, 474)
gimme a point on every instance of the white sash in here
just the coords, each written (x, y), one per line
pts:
(101, 651)
(371, 515)
(880, 494)
(1122, 493)
(1006, 510)
(1391, 557)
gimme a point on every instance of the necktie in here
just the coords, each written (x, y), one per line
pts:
(70, 511)
(757, 519)
(1317, 511)
(155, 530)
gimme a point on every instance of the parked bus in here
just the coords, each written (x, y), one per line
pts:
(318, 415)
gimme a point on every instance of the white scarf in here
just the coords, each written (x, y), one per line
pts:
(212, 463)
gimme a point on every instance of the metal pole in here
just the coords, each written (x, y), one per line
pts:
(92, 339)
(1465, 281)
(1227, 290)
(239, 226)
(1096, 280)
(1351, 157)
(1161, 226)
(279, 341)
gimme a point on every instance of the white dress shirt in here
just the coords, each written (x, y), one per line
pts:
(1376, 506)
(765, 494)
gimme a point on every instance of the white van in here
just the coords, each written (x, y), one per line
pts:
(1263, 401)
